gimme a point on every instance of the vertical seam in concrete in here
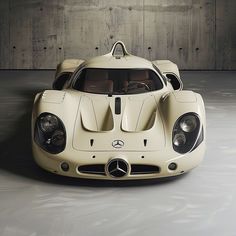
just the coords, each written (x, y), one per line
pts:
(215, 38)
(63, 38)
(9, 45)
(143, 29)
(10, 60)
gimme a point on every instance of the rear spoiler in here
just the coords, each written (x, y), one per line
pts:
(171, 71)
(166, 66)
(67, 66)
(64, 71)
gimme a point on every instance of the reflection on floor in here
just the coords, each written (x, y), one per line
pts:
(34, 202)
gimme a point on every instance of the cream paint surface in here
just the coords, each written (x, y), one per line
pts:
(34, 202)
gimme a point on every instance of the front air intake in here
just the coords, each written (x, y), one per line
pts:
(136, 169)
(96, 169)
(140, 169)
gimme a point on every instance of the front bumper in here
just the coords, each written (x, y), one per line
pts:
(77, 159)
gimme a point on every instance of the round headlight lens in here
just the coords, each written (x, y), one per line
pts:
(48, 123)
(50, 133)
(179, 139)
(58, 138)
(188, 123)
(185, 132)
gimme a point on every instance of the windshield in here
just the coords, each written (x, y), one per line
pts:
(117, 81)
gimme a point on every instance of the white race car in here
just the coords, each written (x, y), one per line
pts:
(118, 117)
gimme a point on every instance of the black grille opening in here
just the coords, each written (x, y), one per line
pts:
(117, 106)
(139, 169)
(96, 169)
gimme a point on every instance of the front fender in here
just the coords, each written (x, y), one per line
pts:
(63, 104)
(175, 104)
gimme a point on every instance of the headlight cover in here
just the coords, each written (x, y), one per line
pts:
(188, 123)
(48, 123)
(185, 135)
(50, 133)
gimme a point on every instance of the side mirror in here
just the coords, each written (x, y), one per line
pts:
(174, 80)
(60, 81)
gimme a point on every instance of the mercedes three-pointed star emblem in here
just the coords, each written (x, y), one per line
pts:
(118, 143)
(117, 168)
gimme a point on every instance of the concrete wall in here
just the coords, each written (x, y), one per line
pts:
(196, 34)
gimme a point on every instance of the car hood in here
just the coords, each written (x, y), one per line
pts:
(133, 119)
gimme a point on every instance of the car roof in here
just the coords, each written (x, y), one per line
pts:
(109, 61)
(113, 61)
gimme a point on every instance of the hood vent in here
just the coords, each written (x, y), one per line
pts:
(139, 115)
(96, 114)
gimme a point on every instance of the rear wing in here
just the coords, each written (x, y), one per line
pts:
(166, 66)
(68, 66)
(171, 71)
(64, 71)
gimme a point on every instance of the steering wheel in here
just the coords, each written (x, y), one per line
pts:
(133, 83)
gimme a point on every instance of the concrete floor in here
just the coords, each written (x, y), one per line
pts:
(34, 202)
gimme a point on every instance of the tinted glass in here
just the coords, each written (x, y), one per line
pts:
(117, 81)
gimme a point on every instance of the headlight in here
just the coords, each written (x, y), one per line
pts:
(179, 139)
(188, 123)
(50, 133)
(48, 123)
(58, 138)
(185, 134)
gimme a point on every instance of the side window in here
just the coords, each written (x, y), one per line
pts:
(175, 82)
(60, 81)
